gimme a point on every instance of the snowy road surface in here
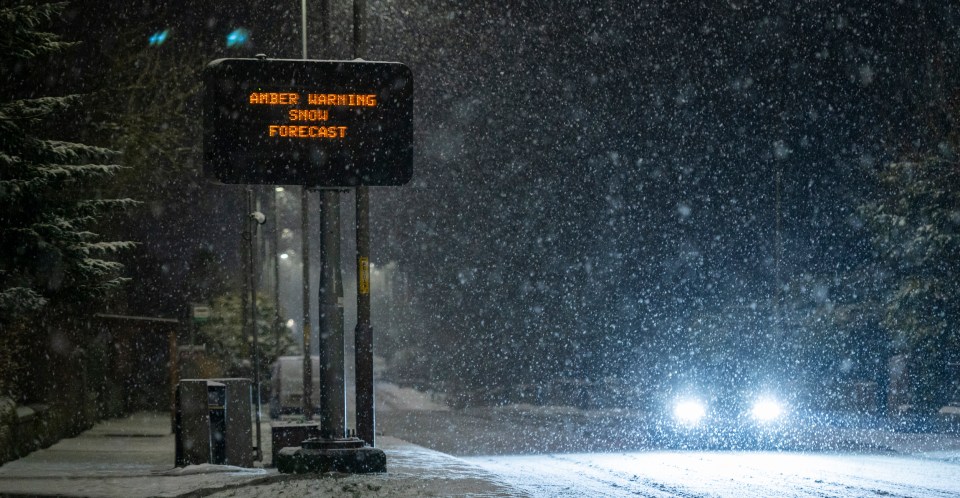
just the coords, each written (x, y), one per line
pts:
(549, 452)
(733, 474)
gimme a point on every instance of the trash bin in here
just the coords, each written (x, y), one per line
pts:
(212, 422)
(217, 409)
(238, 443)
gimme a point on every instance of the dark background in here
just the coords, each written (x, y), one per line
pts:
(595, 188)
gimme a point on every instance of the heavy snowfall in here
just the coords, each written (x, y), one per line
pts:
(615, 248)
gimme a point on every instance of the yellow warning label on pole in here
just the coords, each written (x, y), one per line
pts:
(363, 280)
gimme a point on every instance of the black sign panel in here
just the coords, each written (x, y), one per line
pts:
(313, 123)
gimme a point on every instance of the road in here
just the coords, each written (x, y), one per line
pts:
(725, 473)
(567, 452)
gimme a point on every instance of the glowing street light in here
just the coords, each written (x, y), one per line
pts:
(159, 37)
(238, 37)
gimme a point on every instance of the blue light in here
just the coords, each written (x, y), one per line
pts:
(238, 37)
(159, 37)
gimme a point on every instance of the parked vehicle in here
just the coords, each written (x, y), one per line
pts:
(286, 394)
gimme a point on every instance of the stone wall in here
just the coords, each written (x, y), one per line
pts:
(104, 367)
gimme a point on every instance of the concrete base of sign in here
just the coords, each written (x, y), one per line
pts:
(290, 434)
(349, 455)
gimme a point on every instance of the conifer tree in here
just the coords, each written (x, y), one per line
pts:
(916, 229)
(48, 204)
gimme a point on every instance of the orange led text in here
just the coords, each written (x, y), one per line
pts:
(294, 131)
(338, 99)
(309, 114)
(274, 98)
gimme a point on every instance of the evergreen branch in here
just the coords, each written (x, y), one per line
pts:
(115, 247)
(8, 161)
(99, 267)
(74, 153)
(20, 300)
(76, 171)
(105, 205)
(19, 35)
(37, 108)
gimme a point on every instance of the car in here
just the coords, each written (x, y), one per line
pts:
(745, 419)
(286, 393)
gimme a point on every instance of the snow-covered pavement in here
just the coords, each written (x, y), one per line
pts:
(128, 457)
(412, 472)
(134, 457)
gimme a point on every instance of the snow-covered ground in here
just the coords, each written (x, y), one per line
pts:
(390, 397)
(412, 471)
(134, 456)
(533, 451)
(733, 474)
(520, 450)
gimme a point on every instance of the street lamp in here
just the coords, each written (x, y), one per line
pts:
(277, 320)
(254, 220)
(238, 37)
(159, 37)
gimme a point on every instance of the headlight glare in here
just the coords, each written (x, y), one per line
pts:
(767, 410)
(689, 411)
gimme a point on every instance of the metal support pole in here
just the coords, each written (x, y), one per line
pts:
(363, 339)
(253, 229)
(303, 31)
(363, 336)
(245, 271)
(305, 258)
(359, 31)
(332, 394)
(277, 320)
(324, 8)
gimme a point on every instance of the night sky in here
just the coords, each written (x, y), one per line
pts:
(592, 179)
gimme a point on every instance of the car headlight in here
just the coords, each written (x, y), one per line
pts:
(689, 411)
(767, 410)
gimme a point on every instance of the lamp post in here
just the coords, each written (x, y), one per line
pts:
(305, 258)
(255, 219)
(277, 321)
